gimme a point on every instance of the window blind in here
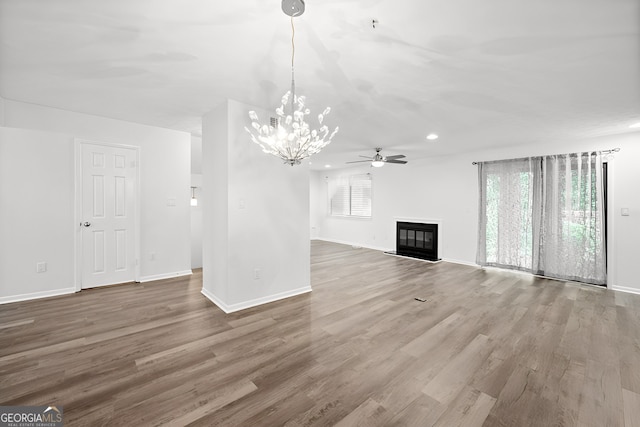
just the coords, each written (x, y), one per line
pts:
(360, 195)
(350, 196)
(339, 196)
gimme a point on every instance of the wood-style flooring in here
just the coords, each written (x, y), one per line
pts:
(487, 348)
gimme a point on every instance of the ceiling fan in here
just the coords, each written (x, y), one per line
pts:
(378, 160)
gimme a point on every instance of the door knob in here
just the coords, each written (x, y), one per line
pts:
(86, 224)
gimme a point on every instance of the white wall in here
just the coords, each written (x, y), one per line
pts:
(215, 199)
(256, 216)
(196, 212)
(1, 111)
(316, 188)
(416, 190)
(626, 229)
(196, 223)
(196, 155)
(164, 173)
(36, 214)
(446, 188)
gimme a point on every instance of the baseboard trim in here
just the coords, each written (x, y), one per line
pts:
(457, 261)
(37, 295)
(377, 248)
(626, 289)
(355, 245)
(393, 253)
(214, 299)
(254, 302)
(165, 276)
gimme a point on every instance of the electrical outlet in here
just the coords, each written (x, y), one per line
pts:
(256, 273)
(41, 267)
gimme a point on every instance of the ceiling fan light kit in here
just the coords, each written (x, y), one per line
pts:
(289, 136)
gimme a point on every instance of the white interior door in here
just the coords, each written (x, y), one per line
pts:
(109, 189)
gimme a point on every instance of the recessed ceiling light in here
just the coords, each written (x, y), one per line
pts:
(635, 125)
(432, 136)
(327, 166)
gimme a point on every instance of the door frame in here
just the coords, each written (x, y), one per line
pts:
(612, 279)
(77, 247)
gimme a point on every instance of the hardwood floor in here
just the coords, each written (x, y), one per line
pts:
(487, 348)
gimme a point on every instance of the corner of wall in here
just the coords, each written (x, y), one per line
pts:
(232, 308)
(214, 215)
(254, 250)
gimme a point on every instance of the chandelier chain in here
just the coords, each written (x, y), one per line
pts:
(293, 54)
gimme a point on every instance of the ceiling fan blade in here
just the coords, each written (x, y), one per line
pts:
(400, 162)
(397, 156)
(359, 161)
(366, 157)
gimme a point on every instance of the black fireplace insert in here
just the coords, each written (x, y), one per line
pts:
(417, 240)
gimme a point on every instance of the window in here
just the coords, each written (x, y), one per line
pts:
(350, 196)
(544, 215)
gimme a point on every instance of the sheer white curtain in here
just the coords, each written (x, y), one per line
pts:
(506, 198)
(571, 236)
(544, 215)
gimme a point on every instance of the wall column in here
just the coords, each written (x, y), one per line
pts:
(255, 216)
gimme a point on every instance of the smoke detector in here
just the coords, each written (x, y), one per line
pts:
(293, 7)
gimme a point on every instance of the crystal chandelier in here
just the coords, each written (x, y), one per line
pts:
(288, 135)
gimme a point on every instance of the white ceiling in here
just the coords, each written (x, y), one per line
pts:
(479, 73)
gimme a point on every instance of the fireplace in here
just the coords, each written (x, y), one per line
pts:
(417, 240)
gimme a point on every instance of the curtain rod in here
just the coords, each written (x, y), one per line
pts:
(613, 150)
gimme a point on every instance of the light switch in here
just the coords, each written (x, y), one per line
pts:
(171, 201)
(241, 204)
(624, 211)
